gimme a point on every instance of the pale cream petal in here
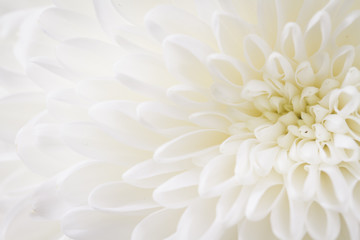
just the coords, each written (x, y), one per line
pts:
(121, 197)
(185, 58)
(130, 131)
(163, 21)
(179, 191)
(317, 33)
(287, 218)
(157, 225)
(88, 224)
(303, 181)
(197, 219)
(322, 223)
(78, 182)
(32, 228)
(217, 176)
(89, 140)
(263, 197)
(230, 32)
(256, 51)
(56, 21)
(135, 12)
(345, 34)
(79, 53)
(251, 230)
(189, 145)
(151, 174)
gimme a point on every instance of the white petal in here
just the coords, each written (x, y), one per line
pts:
(317, 33)
(279, 67)
(130, 131)
(344, 101)
(231, 205)
(88, 139)
(189, 145)
(322, 223)
(353, 125)
(151, 174)
(214, 120)
(108, 16)
(66, 105)
(268, 14)
(89, 57)
(352, 77)
(56, 21)
(256, 230)
(135, 12)
(349, 228)
(229, 70)
(158, 225)
(264, 196)
(217, 176)
(105, 90)
(196, 219)
(16, 110)
(190, 97)
(32, 228)
(121, 197)
(244, 167)
(304, 75)
(243, 8)
(49, 203)
(47, 74)
(82, 6)
(143, 73)
(355, 200)
(347, 148)
(287, 218)
(265, 156)
(185, 58)
(333, 190)
(230, 32)
(39, 147)
(269, 132)
(83, 178)
(346, 32)
(335, 123)
(292, 42)
(87, 224)
(256, 51)
(166, 119)
(179, 190)
(342, 61)
(163, 21)
(303, 182)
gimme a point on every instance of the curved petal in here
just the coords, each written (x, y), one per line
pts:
(217, 176)
(158, 225)
(80, 180)
(163, 21)
(317, 33)
(78, 54)
(229, 32)
(151, 174)
(322, 223)
(185, 57)
(88, 224)
(121, 197)
(189, 145)
(263, 198)
(178, 191)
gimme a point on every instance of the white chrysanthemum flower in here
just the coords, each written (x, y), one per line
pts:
(181, 119)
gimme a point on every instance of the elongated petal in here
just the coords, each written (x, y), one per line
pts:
(189, 145)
